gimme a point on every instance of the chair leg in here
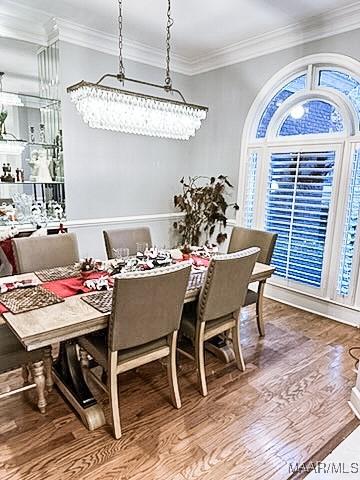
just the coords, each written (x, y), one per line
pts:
(200, 358)
(25, 374)
(259, 309)
(114, 394)
(172, 373)
(39, 379)
(48, 362)
(235, 333)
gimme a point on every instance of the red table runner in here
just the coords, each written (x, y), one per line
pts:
(75, 285)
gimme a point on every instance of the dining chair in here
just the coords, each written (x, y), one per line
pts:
(33, 254)
(126, 238)
(143, 327)
(37, 253)
(219, 305)
(242, 238)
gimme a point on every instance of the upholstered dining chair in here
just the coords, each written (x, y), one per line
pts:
(145, 318)
(33, 254)
(219, 305)
(126, 238)
(37, 253)
(242, 238)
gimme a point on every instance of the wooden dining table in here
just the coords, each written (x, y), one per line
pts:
(64, 322)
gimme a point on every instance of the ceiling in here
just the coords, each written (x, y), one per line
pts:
(202, 28)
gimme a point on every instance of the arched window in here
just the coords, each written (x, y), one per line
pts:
(301, 174)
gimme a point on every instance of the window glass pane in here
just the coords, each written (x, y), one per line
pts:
(297, 208)
(286, 92)
(250, 193)
(351, 223)
(344, 83)
(314, 116)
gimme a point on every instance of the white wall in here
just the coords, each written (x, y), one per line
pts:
(18, 61)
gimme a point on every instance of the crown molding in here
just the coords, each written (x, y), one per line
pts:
(35, 26)
(20, 29)
(107, 43)
(338, 21)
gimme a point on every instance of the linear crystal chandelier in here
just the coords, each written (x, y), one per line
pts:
(125, 111)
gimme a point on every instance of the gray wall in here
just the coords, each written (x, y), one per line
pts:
(109, 174)
(229, 92)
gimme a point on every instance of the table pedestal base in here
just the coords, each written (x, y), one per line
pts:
(222, 350)
(69, 379)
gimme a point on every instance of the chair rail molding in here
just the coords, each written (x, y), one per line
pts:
(92, 222)
(30, 24)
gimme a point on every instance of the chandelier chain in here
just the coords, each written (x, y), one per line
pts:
(170, 22)
(121, 61)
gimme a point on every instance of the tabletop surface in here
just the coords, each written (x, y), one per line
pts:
(74, 317)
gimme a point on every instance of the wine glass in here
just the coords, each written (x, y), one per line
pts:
(141, 248)
(121, 254)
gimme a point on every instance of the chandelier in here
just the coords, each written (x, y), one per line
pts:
(125, 111)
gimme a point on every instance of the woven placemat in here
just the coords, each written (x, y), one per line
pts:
(58, 273)
(196, 279)
(25, 299)
(102, 301)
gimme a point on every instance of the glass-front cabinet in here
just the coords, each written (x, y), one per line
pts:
(31, 160)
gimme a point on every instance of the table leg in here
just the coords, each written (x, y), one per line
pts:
(259, 309)
(68, 377)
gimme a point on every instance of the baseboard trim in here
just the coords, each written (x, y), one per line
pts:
(354, 402)
(340, 313)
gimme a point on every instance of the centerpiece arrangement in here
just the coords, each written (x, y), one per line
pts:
(203, 200)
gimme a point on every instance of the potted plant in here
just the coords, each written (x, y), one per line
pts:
(203, 200)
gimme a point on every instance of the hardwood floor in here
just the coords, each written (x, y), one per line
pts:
(290, 402)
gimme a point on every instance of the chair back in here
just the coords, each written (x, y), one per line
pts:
(126, 238)
(147, 306)
(37, 253)
(242, 238)
(226, 284)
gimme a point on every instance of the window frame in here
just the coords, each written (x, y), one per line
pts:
(342, 143)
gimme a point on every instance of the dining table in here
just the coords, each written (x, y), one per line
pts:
(64, 322)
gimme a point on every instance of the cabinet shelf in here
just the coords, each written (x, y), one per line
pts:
(32, 183)
(33, 101)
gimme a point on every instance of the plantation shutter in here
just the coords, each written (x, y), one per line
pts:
(297, 209)
(350, 230)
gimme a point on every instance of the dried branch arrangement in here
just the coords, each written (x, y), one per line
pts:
(203, 200)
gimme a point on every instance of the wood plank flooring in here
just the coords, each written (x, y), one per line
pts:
(290, 402)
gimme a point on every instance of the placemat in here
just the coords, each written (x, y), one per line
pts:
(25, 299)
(102, 301)
(196, 279)
(58, 273)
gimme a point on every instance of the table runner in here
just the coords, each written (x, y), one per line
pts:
(74, 286)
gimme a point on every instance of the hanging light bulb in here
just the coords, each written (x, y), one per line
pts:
(130, 112)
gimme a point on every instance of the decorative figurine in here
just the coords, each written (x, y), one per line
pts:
(31, 134)
(39, 164)
(42, 133)
(3, 116)
(59, 167)
(7, 176)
